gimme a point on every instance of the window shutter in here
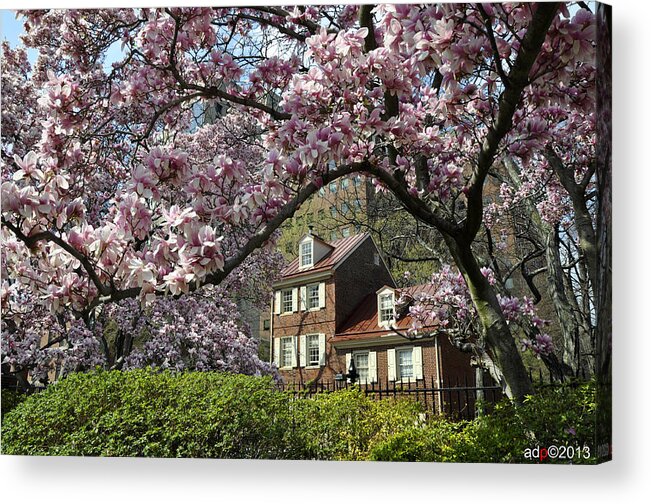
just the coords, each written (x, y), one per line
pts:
(322, 349)
(372, 367)
(303, 298)
(348, 357)
(277, 303)
(391, 364)
(301, 351)
(417, 357)
(276, 344)
(322, 295)
(295, 299)
(295, 342)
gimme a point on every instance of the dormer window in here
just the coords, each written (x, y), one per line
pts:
(306, 254)
(386, 306)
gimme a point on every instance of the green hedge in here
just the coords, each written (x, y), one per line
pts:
(11, 399)
(218, 415)
(561, 416)
(151, 414)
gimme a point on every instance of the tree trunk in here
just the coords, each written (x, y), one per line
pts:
(497, 335)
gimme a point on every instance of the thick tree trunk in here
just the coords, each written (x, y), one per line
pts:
(497, 335)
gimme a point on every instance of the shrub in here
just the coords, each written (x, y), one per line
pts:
(152, 414)
(11, 399)
(561, 416)
(344, 425)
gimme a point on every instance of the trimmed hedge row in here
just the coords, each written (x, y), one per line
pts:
(219, 415)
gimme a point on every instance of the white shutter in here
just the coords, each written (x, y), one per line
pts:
(295, 343)
(348, 357)
(301, 351)
(277, 303)
(391, 364)
(303, 298)
(322, 295)
(322, 350)
(295, 299)
(276, 343)
(417, 358)
(372, 367)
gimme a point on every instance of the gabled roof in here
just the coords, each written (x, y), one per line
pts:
(363, 322)
(341, 249)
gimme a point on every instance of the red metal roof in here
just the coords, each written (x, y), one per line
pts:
(341, 248)
(363, 323)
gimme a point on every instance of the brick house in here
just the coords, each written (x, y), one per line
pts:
(336, 302)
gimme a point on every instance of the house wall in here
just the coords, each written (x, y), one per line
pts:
(455, 364)
(429, 358)
(356, 278)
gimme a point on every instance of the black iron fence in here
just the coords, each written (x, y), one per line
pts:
(458, 399)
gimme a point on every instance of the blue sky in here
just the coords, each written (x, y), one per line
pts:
(11, 28)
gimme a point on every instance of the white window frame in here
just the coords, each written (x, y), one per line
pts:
(372, 365)
(304, 254)
(399, 374)
(320, 297)
(312, 346)
(393, 364)
(280, 352)
(309, 297)
(280, 301)
(383, 294)
(304, 351)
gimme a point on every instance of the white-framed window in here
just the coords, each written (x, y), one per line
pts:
(405, 363)
(365, 365)
(312, 296)
(312, 350)
(306, 254)
(287, 299)
(361, 364)
(386, 311)
(286, 352)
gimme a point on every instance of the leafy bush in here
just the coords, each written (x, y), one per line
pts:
(345, 424)
(562, 416)
(11, 399)
(152, 414)
(220, 415)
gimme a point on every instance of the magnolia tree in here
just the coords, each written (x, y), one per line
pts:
(114, 199)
